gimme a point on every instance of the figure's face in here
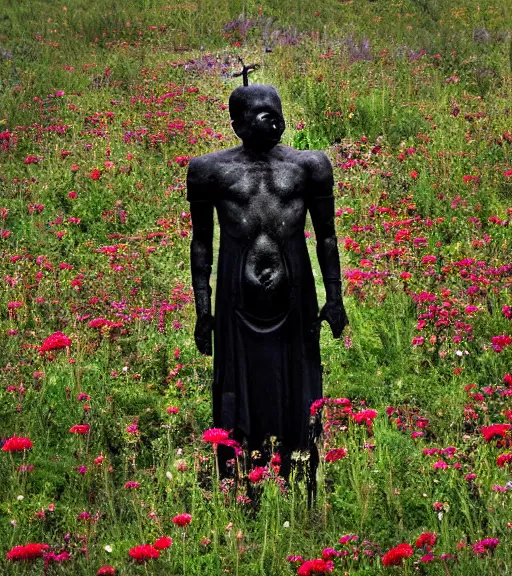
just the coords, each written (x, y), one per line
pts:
(262, 124)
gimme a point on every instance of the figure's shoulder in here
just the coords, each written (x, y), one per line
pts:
(317, 163)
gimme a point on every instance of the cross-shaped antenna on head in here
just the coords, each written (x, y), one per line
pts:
(246, 70)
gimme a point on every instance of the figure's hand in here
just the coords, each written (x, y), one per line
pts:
(203, 334)
(334, 314)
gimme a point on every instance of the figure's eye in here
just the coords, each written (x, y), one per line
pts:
(268, 119)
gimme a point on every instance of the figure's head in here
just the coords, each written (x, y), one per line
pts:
(257, 116)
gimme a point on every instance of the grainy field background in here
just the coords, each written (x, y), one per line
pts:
(104, 399)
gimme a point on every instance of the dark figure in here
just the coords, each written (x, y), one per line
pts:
(267, 369)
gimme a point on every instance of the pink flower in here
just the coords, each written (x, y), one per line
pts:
(317, 566)
(215, 436)
(55, 341)
(131, 484)
(95, 174)
(483, 546)
(257, 474)
(182, 520)
(172, 410)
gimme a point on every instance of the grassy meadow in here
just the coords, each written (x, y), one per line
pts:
(104, 398)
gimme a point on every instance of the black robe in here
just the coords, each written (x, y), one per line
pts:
(266, 372)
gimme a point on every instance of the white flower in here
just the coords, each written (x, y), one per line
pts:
(169, 475)
(286, 524)
(108, 548)
(20, 498)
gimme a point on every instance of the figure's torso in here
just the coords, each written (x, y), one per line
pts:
(261, 202)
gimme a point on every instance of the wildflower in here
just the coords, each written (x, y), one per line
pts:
(425, 540)
(489, 432)
(55, 341)
(106, 571)
(80, 429)
(330, 553)
(440, 465)
(132, 429)
(317, 566)
(182, 520)
(483, 546)
(317, 405)
(503, 459)
(132, 485)
(163, 542)
(257, 474)
(215, 436)
(143, 552)
(335, 454)
(28, 551)
(365, 416)
(395, 556)
(414, 174)
(17, 444)
(95, 174)
(84, 516)
(172, 410)
(295, 559)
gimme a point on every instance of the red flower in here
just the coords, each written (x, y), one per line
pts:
(55, 341)
(257, 475)
(106, 571)
(414, 174)
(29, 551)
(95, 174)
(182, 520)
(426, 539)
(317, 566)
(215, 436)
(17, 444)
(163, 543)
(503, 459)
(335, 454)
(395, 556)
(80, 429)
(489, 432)
(365, 416)
(144, 552)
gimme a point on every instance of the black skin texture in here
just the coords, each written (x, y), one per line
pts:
(261, 208)
(262, 191)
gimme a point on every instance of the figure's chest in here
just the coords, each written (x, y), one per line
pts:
(250, 183)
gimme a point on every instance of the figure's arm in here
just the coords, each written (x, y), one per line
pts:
(321, 209)
(201, 251)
